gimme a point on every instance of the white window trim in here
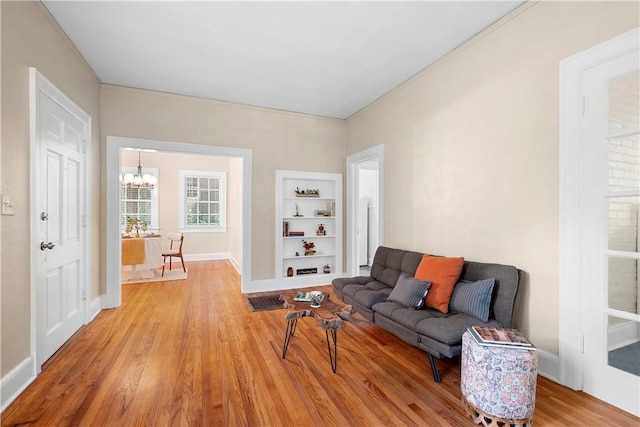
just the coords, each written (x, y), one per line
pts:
(154, 227)
(222, 176)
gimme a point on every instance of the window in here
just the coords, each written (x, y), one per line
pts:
(139, 203)
(203, 197)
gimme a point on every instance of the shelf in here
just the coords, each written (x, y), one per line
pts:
(326, 199)
(309, 237)
(291, 218)
(309, 256)
(288, 204)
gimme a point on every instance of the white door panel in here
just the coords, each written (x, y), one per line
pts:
(610, 265)
(60, 287)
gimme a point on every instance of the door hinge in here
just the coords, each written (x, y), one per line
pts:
(582, 344)
(84, 295)
(84, 220)
(583, 105)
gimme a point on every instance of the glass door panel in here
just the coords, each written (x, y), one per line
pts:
(623, 199)
(623, 285)
(623, 223)
(624, 162)
(623, 350)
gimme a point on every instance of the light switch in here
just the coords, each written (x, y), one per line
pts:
(7, 205)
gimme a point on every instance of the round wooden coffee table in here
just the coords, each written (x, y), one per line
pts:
(330, 316)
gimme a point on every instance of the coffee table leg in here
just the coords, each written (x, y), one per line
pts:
(291, 329)
(333, 356)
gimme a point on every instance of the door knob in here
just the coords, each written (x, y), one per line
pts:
(44, 245)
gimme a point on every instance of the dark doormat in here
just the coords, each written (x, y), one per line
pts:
(265, 302)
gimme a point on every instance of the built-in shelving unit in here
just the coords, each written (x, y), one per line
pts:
(308, 203)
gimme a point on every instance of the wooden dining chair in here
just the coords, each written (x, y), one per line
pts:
(174, 250)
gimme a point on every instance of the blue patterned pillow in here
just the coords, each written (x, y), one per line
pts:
(409, 291)
(472, 298)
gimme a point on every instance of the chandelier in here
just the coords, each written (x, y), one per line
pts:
(138, 180)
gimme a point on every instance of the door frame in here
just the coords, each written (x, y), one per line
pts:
(353, 161)
(38, 83)
(114, 146)
(572, 105)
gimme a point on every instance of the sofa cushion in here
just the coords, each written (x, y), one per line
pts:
(340, 282)
(443, 273)
(368, 295)
(399, 313)
(449, 329)
(389, 263)
(472, 298)
(410, 292)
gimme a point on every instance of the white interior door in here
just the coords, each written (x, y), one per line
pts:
(60, 283)
(610, 235)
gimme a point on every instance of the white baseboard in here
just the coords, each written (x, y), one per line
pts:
(95, 308)
(235, 264)
(16, 381)
(295, 282)
(622, 334)
(207, 256)
(549, 366)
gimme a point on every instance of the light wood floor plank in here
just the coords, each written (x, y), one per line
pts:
(192, 353)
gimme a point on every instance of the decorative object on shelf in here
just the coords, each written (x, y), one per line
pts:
(301, 271)
(138, 180)
(297, 214)
(308, 248)
(321, 230)
(322, 213)
(307, 193)
(289, 271)
(297, 253)
(285, 228)
(326, 269)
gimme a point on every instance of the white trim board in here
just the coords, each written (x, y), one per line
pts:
(16, 381)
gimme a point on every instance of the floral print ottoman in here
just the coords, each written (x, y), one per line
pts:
(498, 384)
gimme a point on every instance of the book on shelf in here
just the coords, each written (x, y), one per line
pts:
(500, 337)
(302, 296)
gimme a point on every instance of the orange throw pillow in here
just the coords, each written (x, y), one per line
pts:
(443, 273)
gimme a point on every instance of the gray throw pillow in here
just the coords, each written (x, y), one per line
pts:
(409, 291)
(472, 298)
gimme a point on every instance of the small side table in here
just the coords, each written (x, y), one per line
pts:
(329, 316)
(498, 384)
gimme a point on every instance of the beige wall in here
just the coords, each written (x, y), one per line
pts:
(278, 140)
(30, 39)
(473, 144)
(169, 166)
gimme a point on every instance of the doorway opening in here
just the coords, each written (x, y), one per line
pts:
(115, 145)
(365, 208)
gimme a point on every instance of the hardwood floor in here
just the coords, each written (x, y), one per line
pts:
(191, 352)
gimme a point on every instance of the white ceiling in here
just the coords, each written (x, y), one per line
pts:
(325, 58)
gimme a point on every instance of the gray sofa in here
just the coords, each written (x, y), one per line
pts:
(438, 334)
